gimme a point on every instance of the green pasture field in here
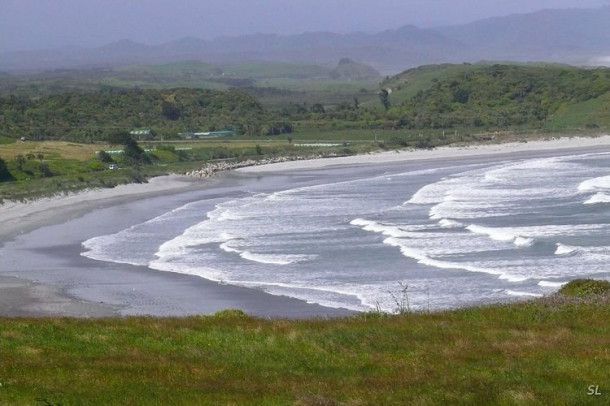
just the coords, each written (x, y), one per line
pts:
(551, 351)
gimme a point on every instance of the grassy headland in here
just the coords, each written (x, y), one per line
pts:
(548, 351)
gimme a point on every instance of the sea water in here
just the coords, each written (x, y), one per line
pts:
(451, 235)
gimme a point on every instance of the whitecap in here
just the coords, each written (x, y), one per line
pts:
(595, 184)
(271, 259)
(424, 259)
(497, 234)
(390, 230)
(446, 223)
(524, 241)
(522, 294)
(565, 249)
(549, 284)
(598, 198)
(275, 259)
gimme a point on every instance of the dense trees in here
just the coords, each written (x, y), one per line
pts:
(133, 154)
(498, 96)
(384, 97)
(170, 110)
(4, 173)
(87, 116)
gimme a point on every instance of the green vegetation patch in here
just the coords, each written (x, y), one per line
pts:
(88, 117)
(498, 96)
(7, 140)
(548, 351)
(584, 287)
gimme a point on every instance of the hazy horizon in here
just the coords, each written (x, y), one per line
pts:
(54, 24)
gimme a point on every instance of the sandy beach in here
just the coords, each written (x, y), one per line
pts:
(24, 297)
(20, 297)
(557, 144)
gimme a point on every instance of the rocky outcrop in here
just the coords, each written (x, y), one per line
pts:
(211, 168)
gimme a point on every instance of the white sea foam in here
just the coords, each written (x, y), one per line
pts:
(424, 259)
(105, 248)
(176, 265)
(112, 247)
(271, 259)
(390, 230)
(566, 249)
(522, 294)
(498, 234)
(275, 259)
(433, 193)
(505, 234)
(601, 183)
(226, 246)
(500, 190)
(549, 284)
(524, 242)
(598, 198)
(446, 223)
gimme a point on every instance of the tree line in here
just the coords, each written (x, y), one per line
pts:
(90, 116)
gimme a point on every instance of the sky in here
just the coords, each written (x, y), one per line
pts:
(56, 24)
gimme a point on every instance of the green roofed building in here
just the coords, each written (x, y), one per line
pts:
(206, 134)
(141, 133)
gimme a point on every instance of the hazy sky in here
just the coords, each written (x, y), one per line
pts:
(47, 24)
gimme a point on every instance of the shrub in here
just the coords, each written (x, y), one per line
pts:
(4, 173)
(230, 314)
(584, 287)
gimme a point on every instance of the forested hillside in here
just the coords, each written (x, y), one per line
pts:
(473, 98)
(496, 96)
(88, 116)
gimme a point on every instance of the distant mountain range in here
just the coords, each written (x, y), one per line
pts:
(577, 36)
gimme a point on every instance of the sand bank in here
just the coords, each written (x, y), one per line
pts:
(437, 153)
(20, 297)
(17, 217)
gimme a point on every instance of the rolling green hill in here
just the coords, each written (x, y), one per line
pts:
(349, 69)
(499, 96)
(473, 98)
(275, 84)
(187, 67)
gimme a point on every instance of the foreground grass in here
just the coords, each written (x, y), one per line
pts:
(538, 353)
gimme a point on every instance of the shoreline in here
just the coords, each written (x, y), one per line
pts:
(23, 297)
(19, 218)
(397, 156)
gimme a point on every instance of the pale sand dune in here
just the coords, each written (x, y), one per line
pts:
(437, 153)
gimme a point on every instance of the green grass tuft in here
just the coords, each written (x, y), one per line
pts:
(230, 314)
(585, 287)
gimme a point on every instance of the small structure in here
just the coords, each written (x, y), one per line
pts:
(113, 166)
(189, 135)
(145, 133)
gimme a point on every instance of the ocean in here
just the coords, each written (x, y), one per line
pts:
(450, 234)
